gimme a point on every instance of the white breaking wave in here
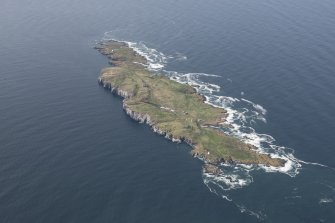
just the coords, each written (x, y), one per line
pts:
(256, 106)
(236, 177)
(242, 115)
(325, 200)
(156, 60)
(259, 215)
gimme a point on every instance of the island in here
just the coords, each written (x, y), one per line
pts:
(174, 110)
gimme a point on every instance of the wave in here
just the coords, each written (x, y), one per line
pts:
(259, 215)
(325, 200)
(243, 114)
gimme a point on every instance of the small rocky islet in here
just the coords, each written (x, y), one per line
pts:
(174, 110)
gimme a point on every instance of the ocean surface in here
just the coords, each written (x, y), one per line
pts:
(69, 153)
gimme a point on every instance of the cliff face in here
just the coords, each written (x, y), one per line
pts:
(117, 91)
(140, 117)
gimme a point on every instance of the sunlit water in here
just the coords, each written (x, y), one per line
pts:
(68, 153)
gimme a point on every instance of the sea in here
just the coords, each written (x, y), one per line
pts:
(69, 153)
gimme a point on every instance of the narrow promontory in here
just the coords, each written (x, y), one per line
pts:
(173, 109)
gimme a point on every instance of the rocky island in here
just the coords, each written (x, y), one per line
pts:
(174, 110)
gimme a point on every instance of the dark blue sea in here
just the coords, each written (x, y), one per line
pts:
(69, 153)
